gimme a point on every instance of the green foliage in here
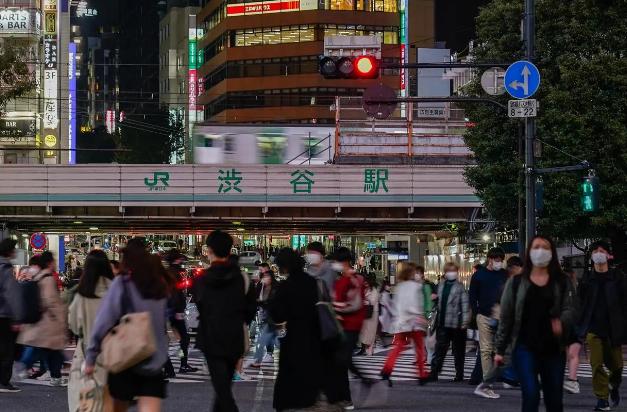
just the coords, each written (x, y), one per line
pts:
(581, 46)
(151, 139)
(15, 77)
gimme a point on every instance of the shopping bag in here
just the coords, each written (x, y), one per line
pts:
(91, 396)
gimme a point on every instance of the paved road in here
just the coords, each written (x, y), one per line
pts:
(193, 393)
(257, 397)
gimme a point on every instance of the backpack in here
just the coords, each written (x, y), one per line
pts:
(26, 302)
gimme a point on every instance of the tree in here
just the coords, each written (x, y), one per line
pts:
(155, 138)
(581, 46)
(16, 78)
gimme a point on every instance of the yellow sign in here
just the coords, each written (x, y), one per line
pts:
(50, 140)
(85, 129)
(50, 22)
(49, 153)
(50, 4)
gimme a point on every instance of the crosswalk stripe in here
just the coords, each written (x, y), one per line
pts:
(370, 366)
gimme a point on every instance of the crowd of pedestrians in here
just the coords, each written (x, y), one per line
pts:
(532, 318)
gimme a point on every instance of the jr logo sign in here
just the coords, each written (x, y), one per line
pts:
(159, 181)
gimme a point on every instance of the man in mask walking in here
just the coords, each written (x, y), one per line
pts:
(603, 324)
(485, 291)
(319, 267)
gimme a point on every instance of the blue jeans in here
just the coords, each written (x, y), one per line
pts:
(52, 359)
(550, 368)
(266, 339)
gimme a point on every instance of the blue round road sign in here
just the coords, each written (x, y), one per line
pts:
(38, 241)
(522, 79)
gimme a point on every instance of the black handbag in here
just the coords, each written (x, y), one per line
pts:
(369, 311)
(330, 328)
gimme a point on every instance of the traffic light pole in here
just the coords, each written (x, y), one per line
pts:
(530, 125)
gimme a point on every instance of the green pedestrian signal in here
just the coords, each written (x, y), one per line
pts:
(590, 194)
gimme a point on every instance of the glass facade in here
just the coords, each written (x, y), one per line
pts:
(284, 66)
(389, 6)
(295, 34)
(273, 35)
(309, 96)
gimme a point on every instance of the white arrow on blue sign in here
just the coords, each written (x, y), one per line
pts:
(522, 79)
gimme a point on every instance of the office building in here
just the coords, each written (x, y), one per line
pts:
(261, 58)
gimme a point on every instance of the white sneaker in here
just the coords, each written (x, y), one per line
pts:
(571, 386)
(508, 386)
(486, 392)
(58, 382)
(349, 407)
(268, 358)
(245, 377)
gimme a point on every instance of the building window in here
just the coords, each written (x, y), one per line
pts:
(388, 6)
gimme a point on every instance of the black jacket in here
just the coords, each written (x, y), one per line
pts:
(300, 377)
(224, 306)
(615, 294)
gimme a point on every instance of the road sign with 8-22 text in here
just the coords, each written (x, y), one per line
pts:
(522, 108)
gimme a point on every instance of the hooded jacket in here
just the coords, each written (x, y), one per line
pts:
(225, 304)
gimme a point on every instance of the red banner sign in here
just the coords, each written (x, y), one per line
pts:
(261, 7)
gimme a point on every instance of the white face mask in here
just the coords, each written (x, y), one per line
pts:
(599, 258)
(313, 258)
(540, 257)
(450, 275)
(338, 267)
(497, 265)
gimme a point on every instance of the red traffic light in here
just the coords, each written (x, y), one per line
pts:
(366, 67)
(348, 67)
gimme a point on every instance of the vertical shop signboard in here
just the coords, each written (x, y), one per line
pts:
(72, 101)
(51, 56)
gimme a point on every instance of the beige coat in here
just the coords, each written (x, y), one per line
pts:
(368, 333)
(51, 331)
(82, 315)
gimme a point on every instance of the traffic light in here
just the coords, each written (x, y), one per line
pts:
(590, 194)
(348, 67)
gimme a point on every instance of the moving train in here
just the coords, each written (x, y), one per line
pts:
(263, 144)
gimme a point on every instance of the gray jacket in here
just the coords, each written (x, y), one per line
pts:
(110, 312)
(7, 281)
(325, 273)
(457, 306)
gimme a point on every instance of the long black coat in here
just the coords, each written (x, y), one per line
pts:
(300, 364)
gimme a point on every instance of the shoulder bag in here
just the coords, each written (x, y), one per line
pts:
(131, 341)
(330, 328)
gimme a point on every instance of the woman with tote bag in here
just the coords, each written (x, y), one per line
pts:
(92, 288)
(138, 295)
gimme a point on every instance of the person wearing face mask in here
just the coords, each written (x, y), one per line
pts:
(319, 267)
(486, 286)
(452, 322)
(603, 324)
(537, 307)
(349, 305)
(226, 302)
(266, 325)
